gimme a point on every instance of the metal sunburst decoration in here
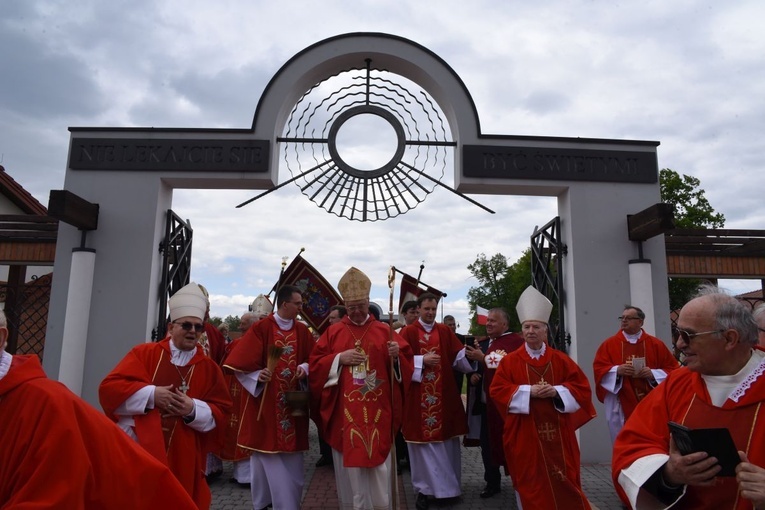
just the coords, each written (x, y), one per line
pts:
(342, 181)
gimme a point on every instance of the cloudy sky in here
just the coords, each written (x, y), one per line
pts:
(687, 74)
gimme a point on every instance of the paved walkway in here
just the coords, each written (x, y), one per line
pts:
(319, 492)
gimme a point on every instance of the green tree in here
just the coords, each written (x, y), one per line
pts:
(215, 321)
(499, 285)
(692, 210)
(232, 321)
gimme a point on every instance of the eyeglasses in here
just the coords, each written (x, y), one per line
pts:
(622, 318)
(681, 333)
(188, 326)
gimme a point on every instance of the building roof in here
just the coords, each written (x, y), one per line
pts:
(19, 196)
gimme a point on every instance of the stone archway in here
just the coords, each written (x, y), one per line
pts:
(132, 172)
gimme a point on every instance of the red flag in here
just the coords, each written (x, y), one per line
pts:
(411, 290)
(481, 314)
(318, 295)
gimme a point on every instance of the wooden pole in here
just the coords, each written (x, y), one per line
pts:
(394, 462)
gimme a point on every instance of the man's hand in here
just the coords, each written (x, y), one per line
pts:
(543, 391)
(751, 481)
(431, 359)
(265, 375)
(474, 354)
(393, 349)
(696, 468)
(300, 373)
(625, 370)
(475, 378)
(644, 373)
(352, 357)
(163, 397)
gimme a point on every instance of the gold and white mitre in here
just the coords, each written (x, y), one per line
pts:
(533, 306)
(189, 301)
(354, 285)
(261, 306)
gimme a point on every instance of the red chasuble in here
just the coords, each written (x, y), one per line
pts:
(541, 447)
(683, 398)
(433, 409)
(616, 350)
(213, 342)
(169, 439)
(277, 430)
(60, 452)
(359, 414)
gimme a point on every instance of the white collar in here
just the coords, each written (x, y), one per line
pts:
(633, 339)
(427, 327)
(536, 353)
(180, 358)
(5, 363)
(284, 324)
(357, 324)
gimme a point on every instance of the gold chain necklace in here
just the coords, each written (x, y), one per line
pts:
(184, 387)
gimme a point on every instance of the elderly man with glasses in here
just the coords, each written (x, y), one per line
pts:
(721, 386)
(170, 397)
(627, 366)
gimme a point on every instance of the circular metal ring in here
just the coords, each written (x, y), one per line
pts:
(360, 110)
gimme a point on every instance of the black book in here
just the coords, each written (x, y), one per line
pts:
(717, 442)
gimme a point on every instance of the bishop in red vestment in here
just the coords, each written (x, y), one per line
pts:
(276, 436)
(545, 398)
(57, 451)
(434, 416)
(723, 385)
(351, 369)
(170, 397)
(618, 383)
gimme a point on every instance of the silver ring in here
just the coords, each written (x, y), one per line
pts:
(170, 407)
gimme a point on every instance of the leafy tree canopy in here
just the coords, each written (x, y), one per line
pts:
(499, 285)
(692, 210)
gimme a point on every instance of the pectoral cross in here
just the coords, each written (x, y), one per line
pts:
(546, 431)
(183, 387)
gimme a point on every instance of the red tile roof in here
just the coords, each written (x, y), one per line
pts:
(19, 196)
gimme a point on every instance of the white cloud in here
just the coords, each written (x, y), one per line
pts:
(684, 73)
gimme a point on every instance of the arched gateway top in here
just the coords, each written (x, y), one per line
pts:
(350, 51)
(131, 174)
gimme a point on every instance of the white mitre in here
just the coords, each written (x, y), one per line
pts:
(189, 301)
(533, 306)
(261, 306)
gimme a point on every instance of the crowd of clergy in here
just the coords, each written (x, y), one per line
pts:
(173, 410)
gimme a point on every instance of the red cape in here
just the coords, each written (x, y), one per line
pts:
(446, 415)
(646, 432)
(612, 352)
(349, 418)
(277, 430)
(540, 480)
(188, 450)
(60, 452)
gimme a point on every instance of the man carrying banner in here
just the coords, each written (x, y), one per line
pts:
(351, 370)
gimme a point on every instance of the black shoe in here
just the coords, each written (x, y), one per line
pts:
(324, 460)
(489, 491)
(213, 475)
(421, 503)
(240, 484)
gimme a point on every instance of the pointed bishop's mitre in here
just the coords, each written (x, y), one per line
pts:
(533, 306)
(261, 306)
(354, 285)
(189, 301)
